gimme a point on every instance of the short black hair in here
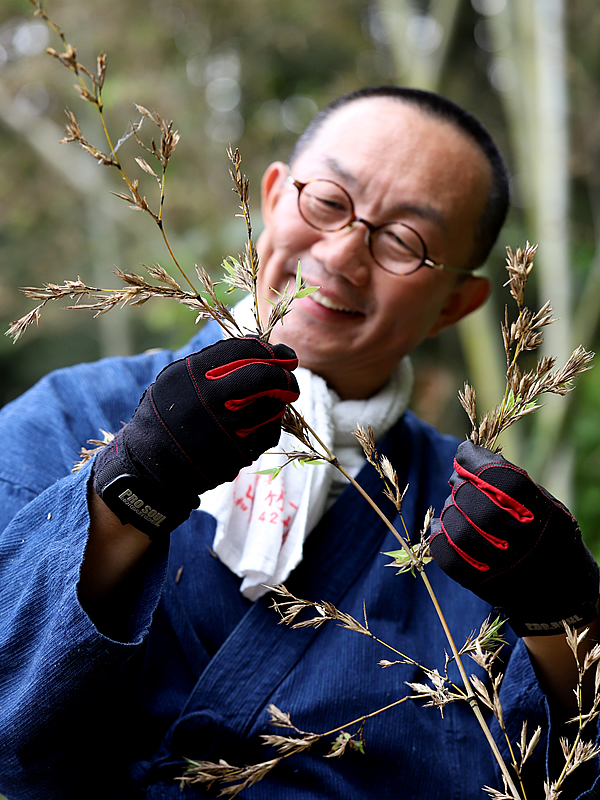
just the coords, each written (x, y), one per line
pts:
(494, 213)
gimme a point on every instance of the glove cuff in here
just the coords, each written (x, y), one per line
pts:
(584, 614)
(134, 497)
(576, 602)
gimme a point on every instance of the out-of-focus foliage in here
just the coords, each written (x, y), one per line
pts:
(247, 73)
(250, 73)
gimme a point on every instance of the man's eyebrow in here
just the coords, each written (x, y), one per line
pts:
(335, 166)
(422, 210)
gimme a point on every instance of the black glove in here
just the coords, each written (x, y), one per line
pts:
(205, 417)
(514, 545)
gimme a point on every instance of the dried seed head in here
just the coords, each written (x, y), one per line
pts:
(231, 779)
(367, 442)
(278, 717)
(495, 794)
(85, 94)
(288, 745)
(293, 423)
(19, 326)
(437, 695)
(526, 747)
(468, 400)
(67, 59)
(100, 70)
(519, 264)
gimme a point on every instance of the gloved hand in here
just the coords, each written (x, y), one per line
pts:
(514, 545)
(202, 420)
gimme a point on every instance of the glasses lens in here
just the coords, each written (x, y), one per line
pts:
(397, 248)
(325, 205)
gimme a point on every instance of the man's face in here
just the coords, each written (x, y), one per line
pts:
(397, 164)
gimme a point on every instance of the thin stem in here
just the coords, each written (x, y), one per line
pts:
(511, 365)
(408, 659)
(253, 265)
(365, 717)
(380, 513)
(513, 759)
(99, 105)
(471, 698)
(172, 254)
(569, 759)
(571, 755)
(157, 219)
(162, 191)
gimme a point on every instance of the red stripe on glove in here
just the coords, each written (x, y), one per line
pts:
(285, 395)
(501, 544)
(517, 510)
(243, 432)
(469, 559)
(227, 369)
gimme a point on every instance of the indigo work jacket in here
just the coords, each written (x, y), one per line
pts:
(105, 714)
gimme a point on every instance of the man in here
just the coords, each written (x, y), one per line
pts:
(127, 650)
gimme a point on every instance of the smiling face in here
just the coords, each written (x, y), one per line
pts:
(397, 163)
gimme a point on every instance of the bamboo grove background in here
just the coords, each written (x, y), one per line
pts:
(252, 73)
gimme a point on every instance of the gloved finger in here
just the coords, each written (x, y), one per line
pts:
(283, 395)
(473, 457)
(456, 559)
(264, 371)
(261, 438)
(218, 360)
(254, 416)
(471, 543)
(500, 481)
(481, 527)
(501, 498)
(246, 385)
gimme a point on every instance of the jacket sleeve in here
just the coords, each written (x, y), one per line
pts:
(52, 657)
(55, 665)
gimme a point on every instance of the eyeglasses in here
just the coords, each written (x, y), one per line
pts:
(395, 247)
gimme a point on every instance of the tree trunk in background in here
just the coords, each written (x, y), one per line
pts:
(537, 116)
(419, 42)
(537, 113)
(422, 67)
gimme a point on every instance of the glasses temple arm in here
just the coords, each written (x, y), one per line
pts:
(427, 262)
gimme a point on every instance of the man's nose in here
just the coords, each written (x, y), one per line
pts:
(346, 252)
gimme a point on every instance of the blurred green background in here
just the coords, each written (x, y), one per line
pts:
(252, 73)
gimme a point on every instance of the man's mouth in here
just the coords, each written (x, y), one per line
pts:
(326, 302)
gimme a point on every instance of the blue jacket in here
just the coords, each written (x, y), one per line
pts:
(108, 715)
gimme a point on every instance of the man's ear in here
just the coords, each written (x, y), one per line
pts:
(270, 188)
(468, 296)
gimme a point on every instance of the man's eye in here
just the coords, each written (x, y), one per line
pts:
(332, 205)
(396, 245)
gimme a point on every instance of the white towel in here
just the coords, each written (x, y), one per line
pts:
(262, 521)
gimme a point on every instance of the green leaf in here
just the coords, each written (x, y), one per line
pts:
(274, 471)
(305, 292)
(397, 554)
(402, 560)
(301, 290)
(345, 739)
(341, 740)
(513, 399)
